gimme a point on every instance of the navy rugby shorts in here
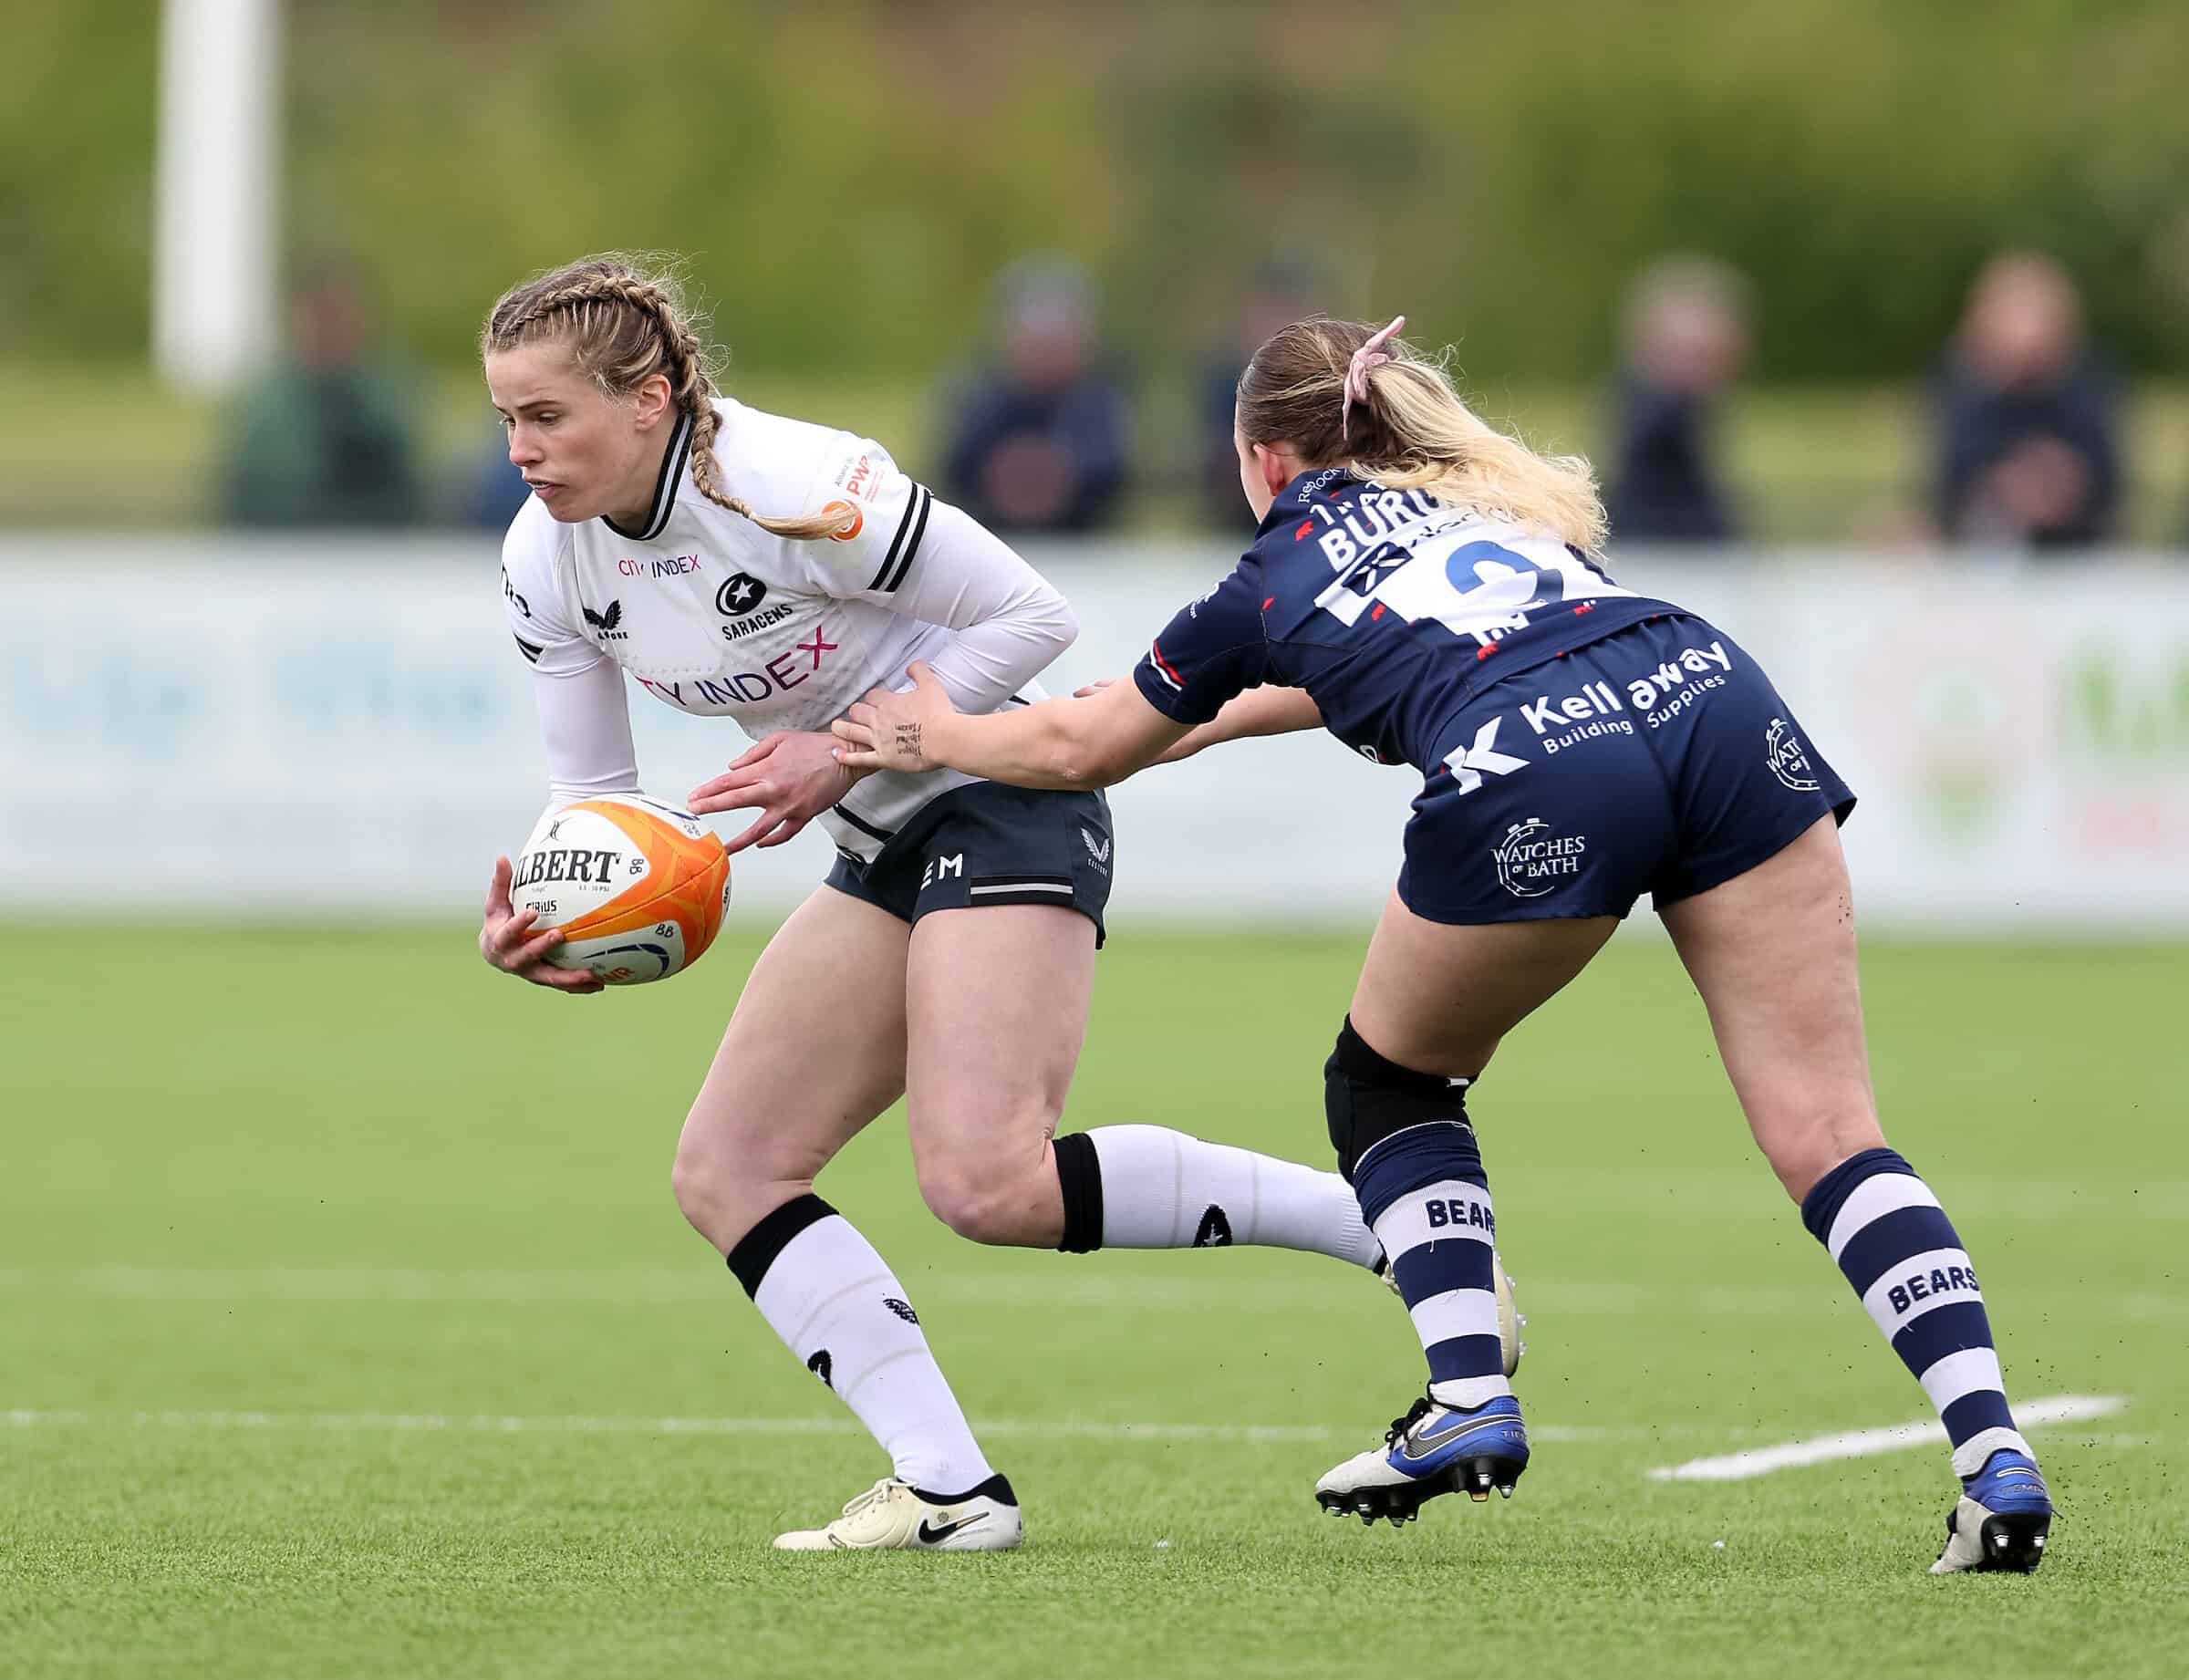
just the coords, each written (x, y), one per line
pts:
(988, 844)
(1658, 760)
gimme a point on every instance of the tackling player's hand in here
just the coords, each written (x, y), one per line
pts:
(508, 940)
(886, 730)
(792, 776)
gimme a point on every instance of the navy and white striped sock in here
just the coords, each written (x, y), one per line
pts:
(1424, 1194)
(1890, 1236)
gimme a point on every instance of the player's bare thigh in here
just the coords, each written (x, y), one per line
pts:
(814, 1050)
(1773, 953)
(1437, 998)
(997, 1003)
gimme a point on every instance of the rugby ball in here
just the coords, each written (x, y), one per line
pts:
(639, 890)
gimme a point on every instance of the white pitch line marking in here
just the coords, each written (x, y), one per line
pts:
(634, 1287)
(487, 1423)
(483, 1423)
(2060, 1408)
(1863, 1443)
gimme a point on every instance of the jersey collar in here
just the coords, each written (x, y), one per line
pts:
(665, 486)
(1320, 484)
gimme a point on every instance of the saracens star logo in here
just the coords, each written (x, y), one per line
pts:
(740, 594)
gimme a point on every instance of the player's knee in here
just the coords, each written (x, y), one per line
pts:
(976, 1199)
(966, 1201)
(1367, 1097)
(719, 1190)
(1801, 1151)
(697, 1182)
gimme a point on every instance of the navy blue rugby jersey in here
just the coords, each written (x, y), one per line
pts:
(1391, 609)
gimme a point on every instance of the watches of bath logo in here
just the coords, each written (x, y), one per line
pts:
(740, 594)
(1533, 861)
(1783, 751)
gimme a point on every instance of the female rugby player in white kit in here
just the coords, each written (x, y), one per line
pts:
(739, 564)
(1424, 588)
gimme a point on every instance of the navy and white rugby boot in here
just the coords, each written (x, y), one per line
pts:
(2002, 1520)
(1435, 1448)
(1511, 1320)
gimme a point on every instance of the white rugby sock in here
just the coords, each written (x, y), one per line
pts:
(837, 1306)
(1165, 1189)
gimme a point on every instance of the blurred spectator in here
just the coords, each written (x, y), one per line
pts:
(323, 437)
(2028, 452)
(1285, 287)
(1038, 442)
(1686, 339)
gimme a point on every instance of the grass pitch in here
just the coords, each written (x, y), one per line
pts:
(347, 1327)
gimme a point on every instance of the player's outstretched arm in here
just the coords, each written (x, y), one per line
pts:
(1267, 710)
(1058, 743)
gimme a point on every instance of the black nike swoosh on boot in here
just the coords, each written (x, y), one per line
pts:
(931, 1536)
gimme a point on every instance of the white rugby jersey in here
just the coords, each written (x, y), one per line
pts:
(712, 614)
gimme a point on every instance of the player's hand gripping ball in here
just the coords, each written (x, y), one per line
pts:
(638, 890)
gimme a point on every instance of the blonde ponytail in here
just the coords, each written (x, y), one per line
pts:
(1410, 431)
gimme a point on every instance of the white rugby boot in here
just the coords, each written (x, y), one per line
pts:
(1511, 1320)
(894, 1516)
(1434, 1449)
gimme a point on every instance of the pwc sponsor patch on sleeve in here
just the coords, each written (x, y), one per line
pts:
(857, 486)
(857, 477)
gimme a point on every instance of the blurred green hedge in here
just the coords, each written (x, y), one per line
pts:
(848, 177)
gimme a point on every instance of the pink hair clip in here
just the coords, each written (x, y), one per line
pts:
(1357, 373)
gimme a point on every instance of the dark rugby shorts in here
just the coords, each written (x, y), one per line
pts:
(988, 844)
(1659, 759)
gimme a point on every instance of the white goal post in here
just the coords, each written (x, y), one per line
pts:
(214, 302)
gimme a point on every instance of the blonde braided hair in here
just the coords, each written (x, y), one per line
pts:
(624, 321)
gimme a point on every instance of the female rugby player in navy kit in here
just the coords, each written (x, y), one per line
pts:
(1425, 588)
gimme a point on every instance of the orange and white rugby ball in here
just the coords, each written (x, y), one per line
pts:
(639, 890)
